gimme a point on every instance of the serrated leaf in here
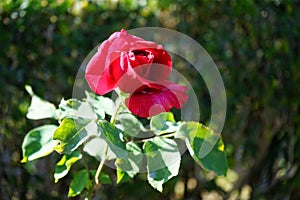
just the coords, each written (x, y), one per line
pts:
(103, 178)
(100, 104)
(131, 165)
(129, 124)
(72, 133)
(96, 148)
(163, 123)
(39, 108)
(205, 146)
(73, 108)
(78, 183)
(114, 138)
(163, 161)
(38, 143)
(64, 165)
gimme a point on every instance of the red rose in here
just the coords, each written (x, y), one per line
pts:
(138, 67)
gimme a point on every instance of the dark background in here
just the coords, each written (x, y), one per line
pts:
(255, 44)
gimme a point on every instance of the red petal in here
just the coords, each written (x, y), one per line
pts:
(130, 81)
(107, 81)
(148, 102)
(98, 65)
(160, 64)
(161, 58)
(139, 74)
(109, 64)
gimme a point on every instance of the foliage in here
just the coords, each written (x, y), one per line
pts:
(79, 125)
(254, 43)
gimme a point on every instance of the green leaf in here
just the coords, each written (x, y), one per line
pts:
(78, 183)
(39, 108)
(73, 108)
(122, 176)
(38, 143)
(64, 165)
(121, 94)
(163, 161)
(100, 104)
(163, 123)
(114, 138)
(96, 148)
(130, 124)
(205, 146)
(103, 178)
(72, 133)
(130, 166)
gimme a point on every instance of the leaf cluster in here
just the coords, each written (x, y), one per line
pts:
(106, 130)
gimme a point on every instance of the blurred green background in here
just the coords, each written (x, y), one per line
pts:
(255, 44)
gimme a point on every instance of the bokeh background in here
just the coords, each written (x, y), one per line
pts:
(255, 44)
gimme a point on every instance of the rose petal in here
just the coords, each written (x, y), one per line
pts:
(117, 42)
(157, 73)
(143, 44)
(148, 102)
(132, 82)
(139, 59)
(138, 74)
(103, 71)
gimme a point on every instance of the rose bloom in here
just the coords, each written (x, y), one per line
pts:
(137, 67)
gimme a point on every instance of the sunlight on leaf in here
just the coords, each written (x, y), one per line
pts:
(163, 123)
(39, 108)
(130, 166)
(130, 124)
(64, 165)
(114, 138)
(72, 133)
(200, 138)
(38, 143)
(96, 148)
(100, 104)
(163, 161)
(73, 108)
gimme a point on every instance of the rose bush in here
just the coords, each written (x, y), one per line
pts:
(137, 67)
(99, 127)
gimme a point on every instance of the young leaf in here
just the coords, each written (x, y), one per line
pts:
(103, 178)
(96, 148)
(163, 123)
(114, 138)
(130, 166)
(205, 146)
(39, 108)
(78, 183)
(130, 124)
(100, 104)
(72, 133)
(64, 165)
(38, 143)
(74, 108)
(163, 161)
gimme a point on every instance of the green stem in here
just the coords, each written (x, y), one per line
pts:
(147, 139)
(104, 157)
(101, 164)
(114, 116)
